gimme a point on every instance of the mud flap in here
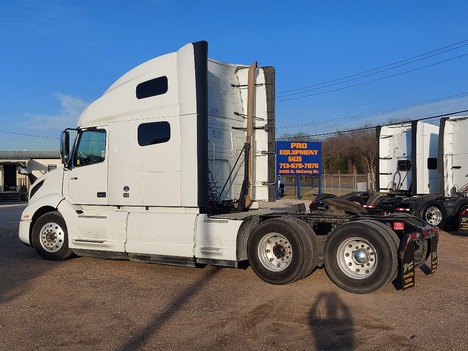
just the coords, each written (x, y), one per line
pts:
(463, 221)
(434, 257)
(406, 273)
(406, 278)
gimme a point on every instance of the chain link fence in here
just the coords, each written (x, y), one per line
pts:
(339, 183)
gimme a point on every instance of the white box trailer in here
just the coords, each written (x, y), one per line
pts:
(169, 166)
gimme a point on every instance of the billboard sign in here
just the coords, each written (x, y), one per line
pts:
(298, 158)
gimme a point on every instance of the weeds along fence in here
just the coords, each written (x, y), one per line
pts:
(339, 183)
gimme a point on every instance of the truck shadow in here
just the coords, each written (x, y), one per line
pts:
(331, 323)
(140, 339)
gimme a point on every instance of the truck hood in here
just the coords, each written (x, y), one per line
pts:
(46, 185)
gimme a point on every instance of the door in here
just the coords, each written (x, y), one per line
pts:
(9, 183)
(87, 176)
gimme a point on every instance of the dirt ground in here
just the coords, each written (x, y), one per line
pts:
(93, 304)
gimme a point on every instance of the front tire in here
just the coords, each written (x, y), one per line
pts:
(50, 237)
(360, 257)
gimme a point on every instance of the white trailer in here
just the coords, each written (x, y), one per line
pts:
(169, 166)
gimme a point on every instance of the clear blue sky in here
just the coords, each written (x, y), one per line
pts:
(57, 56)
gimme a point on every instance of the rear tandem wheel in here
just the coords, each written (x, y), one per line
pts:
(361, 257)
(280, 251)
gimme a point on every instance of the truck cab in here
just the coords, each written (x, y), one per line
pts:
(164, 146)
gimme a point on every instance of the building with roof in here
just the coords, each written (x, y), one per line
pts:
(14, 186)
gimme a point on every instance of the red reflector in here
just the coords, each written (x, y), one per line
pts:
(398, 226)
(402, 209)
(369, 206)
(463, 212)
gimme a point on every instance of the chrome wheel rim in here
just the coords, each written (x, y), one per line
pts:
(433, 216)
(275, 252)
(51, 237)
(357, 258)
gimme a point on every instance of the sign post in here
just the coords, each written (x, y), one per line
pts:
(299, 158)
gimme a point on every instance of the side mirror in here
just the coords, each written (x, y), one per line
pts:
(65, 147)
(26, 171)
(23, 170)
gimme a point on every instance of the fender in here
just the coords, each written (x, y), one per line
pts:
(33, 211)
(421, 201)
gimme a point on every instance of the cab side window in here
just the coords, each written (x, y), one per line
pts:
(154, 133)
(91, 148)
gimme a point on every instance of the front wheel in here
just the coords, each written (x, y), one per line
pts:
(50, 237)
(360, 257)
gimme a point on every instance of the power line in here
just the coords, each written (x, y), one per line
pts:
(315, 123)
(373, 71)
(370, 127)
(343, 80)
(370, 81)
(421, 57)
(370, 114)
(28, 135)
(301, 136)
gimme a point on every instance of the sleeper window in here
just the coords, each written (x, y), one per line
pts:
(153, 133)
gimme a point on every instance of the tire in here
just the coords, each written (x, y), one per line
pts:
(360, 257)
(278, 251)
(434, 214)
(311, 241)
(281, 191)
(373, 199)
(421, 252)
(391, 234)
(50, 237)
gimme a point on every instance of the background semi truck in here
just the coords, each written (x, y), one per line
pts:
(422, 170)
(170, 164)
(408, 158)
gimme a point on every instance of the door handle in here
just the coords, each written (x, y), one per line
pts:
(74, 178)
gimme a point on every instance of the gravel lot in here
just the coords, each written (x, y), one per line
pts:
(93, 304)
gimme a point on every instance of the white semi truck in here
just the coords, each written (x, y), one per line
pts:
(169, 166)
(408, 158)
(453, 155)
(422, 170)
